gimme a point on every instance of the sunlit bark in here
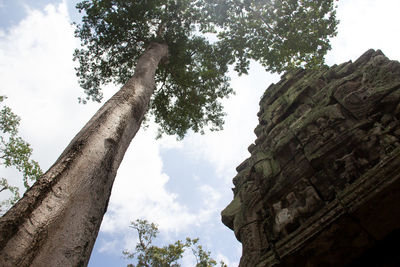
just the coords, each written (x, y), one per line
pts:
(58, 219)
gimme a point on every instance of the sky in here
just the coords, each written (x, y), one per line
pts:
(180, 185)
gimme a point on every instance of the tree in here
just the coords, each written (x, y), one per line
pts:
(157, 49)
(147, 254)
(192, 77)
(14, 152)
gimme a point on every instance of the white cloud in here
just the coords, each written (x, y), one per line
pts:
(139, 192)
(188, 259)
(364, 25)
(220, 257)
(109, 246)
(211, 197)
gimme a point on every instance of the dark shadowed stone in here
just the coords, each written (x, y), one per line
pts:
(322, 185)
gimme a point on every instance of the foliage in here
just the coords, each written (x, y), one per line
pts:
(14, 152)
(115, 33)
(147, 254)
(281, 34)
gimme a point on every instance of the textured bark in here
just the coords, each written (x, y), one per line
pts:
(322, 184)
(57, 220)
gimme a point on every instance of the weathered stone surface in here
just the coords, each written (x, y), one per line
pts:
(321, 186)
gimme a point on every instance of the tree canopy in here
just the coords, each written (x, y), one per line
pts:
(14, 152)
(204, 37)
(147, 254)
(280, 34)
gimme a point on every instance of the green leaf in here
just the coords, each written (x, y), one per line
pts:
(147, 254)
(16, 153)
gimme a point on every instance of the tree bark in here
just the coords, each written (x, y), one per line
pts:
(57, 220)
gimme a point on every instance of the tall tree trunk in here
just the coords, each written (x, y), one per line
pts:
(57, 220)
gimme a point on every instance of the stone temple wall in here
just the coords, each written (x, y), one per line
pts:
(321, 187)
